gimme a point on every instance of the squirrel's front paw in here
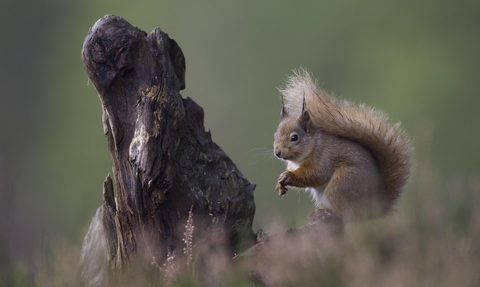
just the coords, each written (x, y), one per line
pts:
(282, 183)
(281, 189)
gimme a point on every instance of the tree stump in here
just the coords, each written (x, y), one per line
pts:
(164, 161)
(174, 187)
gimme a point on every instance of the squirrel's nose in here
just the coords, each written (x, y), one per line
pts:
(277, 153)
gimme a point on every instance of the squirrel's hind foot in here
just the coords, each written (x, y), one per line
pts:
(324, 215)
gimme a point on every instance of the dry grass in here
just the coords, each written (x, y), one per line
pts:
(431, 240)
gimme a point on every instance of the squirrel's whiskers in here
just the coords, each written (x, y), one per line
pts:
(261, 154)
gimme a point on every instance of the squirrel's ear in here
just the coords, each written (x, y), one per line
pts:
(305, 118)
(284, 113)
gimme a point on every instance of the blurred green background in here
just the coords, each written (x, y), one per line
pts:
(416, 60)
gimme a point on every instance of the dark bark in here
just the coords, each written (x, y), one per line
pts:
(166, 164)
(164, 161)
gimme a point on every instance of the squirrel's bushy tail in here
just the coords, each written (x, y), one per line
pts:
(367, 126)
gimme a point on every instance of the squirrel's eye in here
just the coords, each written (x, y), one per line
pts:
(294, 138)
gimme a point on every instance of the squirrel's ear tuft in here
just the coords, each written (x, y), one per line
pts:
(284, 113)
(303, 104)
(305, 121)
(305, 118)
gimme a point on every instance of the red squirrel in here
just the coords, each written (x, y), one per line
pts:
(352, 160)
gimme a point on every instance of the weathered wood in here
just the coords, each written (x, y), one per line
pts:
(164, 161)
(165, 165)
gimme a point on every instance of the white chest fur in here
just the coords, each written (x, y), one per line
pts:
(318, 195)
(291, 166)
